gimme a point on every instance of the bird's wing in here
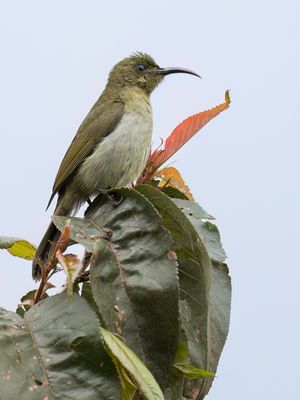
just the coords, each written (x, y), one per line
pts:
(100, 122)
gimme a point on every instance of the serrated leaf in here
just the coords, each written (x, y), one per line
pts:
(220, 303)
(170, 176)
(87, 294)
(195, 271)
(133, 276)
(220, 293)
(18, 247)
(180, 135)
(142, 377)
(206, 229)
(55, 352)
(205, 285)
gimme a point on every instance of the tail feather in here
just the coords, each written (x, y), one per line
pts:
(66, 202)
(45, 250)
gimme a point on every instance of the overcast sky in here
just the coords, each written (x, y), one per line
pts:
(243, 167)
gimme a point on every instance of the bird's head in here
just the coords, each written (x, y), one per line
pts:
(140, 70)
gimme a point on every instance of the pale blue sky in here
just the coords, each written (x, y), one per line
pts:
(243, 167)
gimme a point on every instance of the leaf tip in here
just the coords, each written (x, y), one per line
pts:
(227, 97)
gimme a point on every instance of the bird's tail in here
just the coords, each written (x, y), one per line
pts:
(45, 250)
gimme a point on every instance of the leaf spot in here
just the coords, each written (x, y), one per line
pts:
(117, 327)
(32, 388)
(6, 376)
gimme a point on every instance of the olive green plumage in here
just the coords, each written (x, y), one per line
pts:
(111, 146)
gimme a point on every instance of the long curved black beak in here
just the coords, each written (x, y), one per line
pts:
(168, 71)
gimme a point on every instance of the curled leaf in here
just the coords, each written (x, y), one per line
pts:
(72, 266)
(27, 301)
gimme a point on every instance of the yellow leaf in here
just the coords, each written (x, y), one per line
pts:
(128, 360)
(170, 176)
(18, 247)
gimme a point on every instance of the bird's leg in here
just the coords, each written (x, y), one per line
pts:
(116, 201)
(84, 275)
(86, 261)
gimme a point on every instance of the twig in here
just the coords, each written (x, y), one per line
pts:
(45, 275)
(84, 277)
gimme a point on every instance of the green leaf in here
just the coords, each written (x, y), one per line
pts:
(27, 302)
(192, 372)
(220, 292)
(182, 354)
(173, 192)
(17, 247)
(220, 302)
(133, 276)
(142, 377)
(204, 283)
(207, 230)
(86, 293)
(128, 388)
(195, 271)
(55, 352)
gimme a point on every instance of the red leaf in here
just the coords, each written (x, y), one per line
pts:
(64, 239)
(181, 134)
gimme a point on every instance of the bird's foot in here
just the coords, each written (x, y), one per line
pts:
(116, 199)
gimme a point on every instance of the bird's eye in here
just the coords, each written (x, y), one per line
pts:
(141, 67)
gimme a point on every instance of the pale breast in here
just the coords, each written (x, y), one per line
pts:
(120, 158)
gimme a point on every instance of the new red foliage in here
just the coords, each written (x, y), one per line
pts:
(181, 134)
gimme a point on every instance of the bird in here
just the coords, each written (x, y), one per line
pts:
(111, 146)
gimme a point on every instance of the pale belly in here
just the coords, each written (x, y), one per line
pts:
(119, 159)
